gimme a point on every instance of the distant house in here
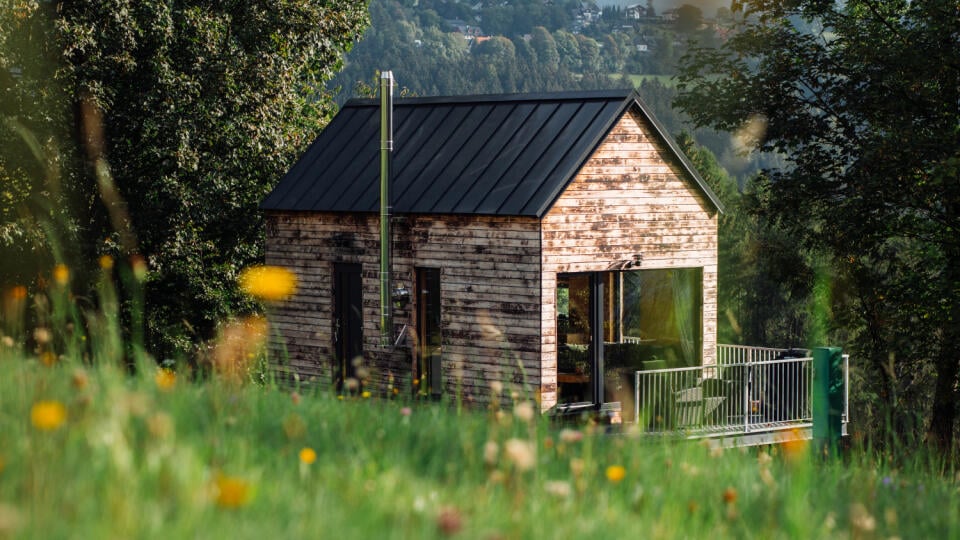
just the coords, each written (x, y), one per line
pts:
(549, 242)
(670, 15)
(639, 11)
(465, 28)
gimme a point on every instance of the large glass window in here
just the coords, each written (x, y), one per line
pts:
(650, 319)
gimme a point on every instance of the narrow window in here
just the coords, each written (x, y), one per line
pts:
(427, 371)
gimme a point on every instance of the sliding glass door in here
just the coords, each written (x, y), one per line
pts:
(611, 324)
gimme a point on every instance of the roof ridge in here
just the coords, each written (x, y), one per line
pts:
(564, 95)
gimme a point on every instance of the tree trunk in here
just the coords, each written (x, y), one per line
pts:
(945, 398)
(940, 434)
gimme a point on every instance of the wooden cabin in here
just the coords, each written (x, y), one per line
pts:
(552, 243)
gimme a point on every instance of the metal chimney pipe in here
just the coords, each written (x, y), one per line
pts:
(386, 153)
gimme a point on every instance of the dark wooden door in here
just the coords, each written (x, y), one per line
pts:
(347, 320)
(429, 336)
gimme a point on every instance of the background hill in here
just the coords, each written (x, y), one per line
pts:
(437, 47)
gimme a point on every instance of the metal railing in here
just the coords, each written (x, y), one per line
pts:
(749, 390)
(732, 354)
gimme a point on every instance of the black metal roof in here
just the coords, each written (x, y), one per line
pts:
(510, 154)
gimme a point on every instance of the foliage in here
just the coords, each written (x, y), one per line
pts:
(860, 98)
(188, 114)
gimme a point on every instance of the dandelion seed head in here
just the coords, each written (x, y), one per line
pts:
(490, 452)
(521, 453)
(767, 478)
(558, 488)
(861, 520)
(577, 466)
(524, 411)
(42, 335)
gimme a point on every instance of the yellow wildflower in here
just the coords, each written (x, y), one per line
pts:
(18, 293)
(232, 492)
(270, 283)
(48, 415)
(165, 379)
(616, 473)
(365, 394)
(48, 358)
(61, 274)
(308, 455)
(106, 262)
(794, 445)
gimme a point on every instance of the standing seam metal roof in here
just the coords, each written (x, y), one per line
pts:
(510, 154)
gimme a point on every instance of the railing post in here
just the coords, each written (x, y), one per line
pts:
(636, 400)
(828, 398)
(748, 372)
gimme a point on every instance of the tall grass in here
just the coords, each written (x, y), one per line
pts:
(156, 455)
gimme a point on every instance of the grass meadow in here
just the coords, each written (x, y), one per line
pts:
(90, 449)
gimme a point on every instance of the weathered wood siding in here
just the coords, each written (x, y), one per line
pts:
(490, 294)
(629, 198)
